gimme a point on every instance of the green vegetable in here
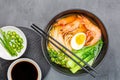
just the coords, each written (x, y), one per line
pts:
(11, 41)
(57, 57)
(76, 68)
(88, 54)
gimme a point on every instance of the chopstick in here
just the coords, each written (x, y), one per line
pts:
(45, 36)
(64, 47)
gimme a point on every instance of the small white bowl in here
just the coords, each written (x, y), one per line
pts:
(4, 53)
(9, 76)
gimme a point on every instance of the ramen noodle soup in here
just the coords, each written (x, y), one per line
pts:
(79, 34)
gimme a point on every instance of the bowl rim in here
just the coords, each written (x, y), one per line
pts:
(67, 12)
(9, 74)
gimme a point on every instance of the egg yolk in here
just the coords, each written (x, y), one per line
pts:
(80, 39)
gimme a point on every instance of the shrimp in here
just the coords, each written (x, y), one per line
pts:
(66, 20)
(71, 26)
(93, 33)
(70, 29)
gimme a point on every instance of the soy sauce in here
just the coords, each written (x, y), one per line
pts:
(24, 71)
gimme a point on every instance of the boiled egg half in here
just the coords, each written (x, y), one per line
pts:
(78, 41)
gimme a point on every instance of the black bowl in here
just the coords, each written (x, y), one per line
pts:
(104, 37)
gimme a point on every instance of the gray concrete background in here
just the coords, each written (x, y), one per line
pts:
(26, 12)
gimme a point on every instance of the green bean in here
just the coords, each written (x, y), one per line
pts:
(12, 42)
(53, 59)
(14, 33)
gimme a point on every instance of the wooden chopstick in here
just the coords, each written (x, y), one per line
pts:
(45, 35)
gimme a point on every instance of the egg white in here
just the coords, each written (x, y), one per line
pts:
(74, 45)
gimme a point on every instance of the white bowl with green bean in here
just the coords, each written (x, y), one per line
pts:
(13, 42)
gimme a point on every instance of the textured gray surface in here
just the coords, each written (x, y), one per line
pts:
(26, 12)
